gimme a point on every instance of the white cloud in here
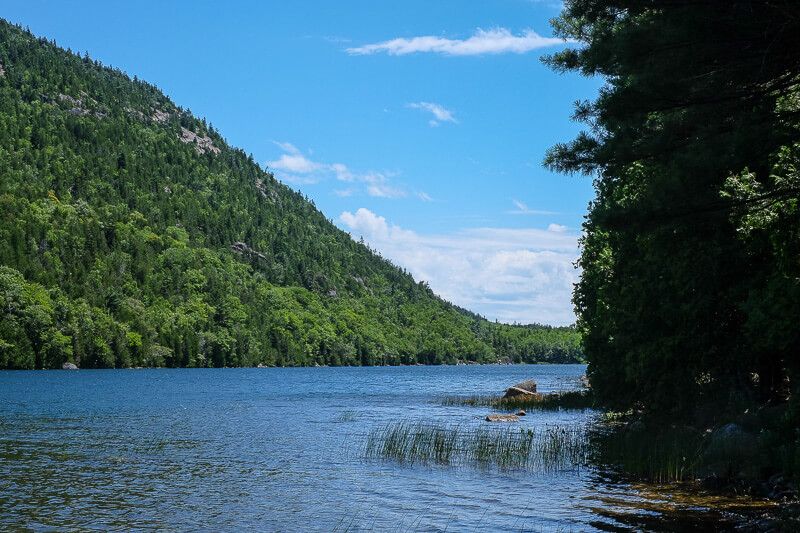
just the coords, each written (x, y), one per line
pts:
(425, 197)
(294, 167)
(494, 41)
(342, 172)
(440, 113)
(521, 208)
(286, 147)
(382, 190)
(557, 228)
(296, 163)
(514, 275)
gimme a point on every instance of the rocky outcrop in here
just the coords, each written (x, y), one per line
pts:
(202, 144)
(69, 366)
(524, 388)
(502, 418)
(2, 71)
(82, 106)
(159, 116)
(243, 248)
(266, 192)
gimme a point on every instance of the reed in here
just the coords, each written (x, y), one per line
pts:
(543, 449)
(665, 455)
(579, 399)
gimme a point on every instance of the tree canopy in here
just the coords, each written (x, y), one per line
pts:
(690, 291)
(131, 234)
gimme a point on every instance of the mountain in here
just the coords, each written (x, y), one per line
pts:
(132, 234)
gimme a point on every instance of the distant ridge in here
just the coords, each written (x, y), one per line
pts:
(131, 234)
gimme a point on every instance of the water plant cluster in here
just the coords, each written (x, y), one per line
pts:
(577, 399)
(667, 455)
(542, 449)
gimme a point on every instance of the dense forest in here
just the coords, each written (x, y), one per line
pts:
(689, 301)
(131, 234)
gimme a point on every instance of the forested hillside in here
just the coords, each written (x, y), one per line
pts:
(131, 234)
(689, 301)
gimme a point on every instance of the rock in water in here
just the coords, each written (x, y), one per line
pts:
(521, 412)
(502, 418)
(523, 388)
(69, 366)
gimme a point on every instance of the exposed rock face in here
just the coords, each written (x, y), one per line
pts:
(243, 248)
(524, 388)
(159, 116)
(69, 366)
(202, 144)
(266, 192)
(82, 106)
(502, 418)
(2, 71)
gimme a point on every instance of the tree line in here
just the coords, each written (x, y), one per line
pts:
(131, 234)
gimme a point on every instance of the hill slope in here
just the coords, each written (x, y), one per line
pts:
(131, 234)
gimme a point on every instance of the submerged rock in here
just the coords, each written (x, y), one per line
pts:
(523, 388)
(69, 366)
(502, 418)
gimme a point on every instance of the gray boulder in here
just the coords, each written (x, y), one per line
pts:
(69, 366)
(731, 451)
(502, 418)
(523, 388)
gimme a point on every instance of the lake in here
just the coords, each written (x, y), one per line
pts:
(283, 449)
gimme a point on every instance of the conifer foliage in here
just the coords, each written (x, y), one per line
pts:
(131, 234)
(690, 292)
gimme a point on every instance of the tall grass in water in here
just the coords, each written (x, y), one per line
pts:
(542, 449)
(579, 399)
(664, 456)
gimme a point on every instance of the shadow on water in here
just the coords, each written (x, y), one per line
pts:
(258, 450)
(640, 481)
(672, 507)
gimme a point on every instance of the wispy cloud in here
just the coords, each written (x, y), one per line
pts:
(482, 42)
(439, 112)
(297, 168)
(514, 275)
(557, 228)
(520, 208)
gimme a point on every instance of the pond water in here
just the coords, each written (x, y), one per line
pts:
(283, 449)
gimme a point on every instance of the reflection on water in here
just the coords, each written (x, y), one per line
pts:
(284, 449)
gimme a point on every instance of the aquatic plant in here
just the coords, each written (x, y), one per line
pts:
(579, 399)
(543, 449)
(665, 455)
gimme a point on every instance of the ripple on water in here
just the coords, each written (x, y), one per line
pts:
(241, 449)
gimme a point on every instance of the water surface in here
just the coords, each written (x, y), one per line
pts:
(283, 449)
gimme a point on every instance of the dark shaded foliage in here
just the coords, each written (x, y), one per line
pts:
(689, 301)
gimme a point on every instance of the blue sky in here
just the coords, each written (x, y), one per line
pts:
(419, 125)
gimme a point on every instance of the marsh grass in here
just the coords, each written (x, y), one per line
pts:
(544, 449)
(579, 399)
(666, 455)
